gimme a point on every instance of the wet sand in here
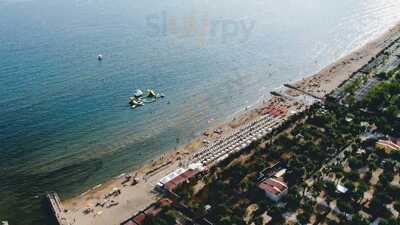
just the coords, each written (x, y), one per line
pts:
(135, 198)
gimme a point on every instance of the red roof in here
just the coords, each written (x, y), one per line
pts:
(139, 218)
(189, 174)
(268, 188)
(274, 186)
(130, 222)
(170, 186)
(179, 179)
(165, 201)
(390, 143)
(153, 211)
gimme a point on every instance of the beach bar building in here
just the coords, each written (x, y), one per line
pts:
(172, 184)
(172, 180)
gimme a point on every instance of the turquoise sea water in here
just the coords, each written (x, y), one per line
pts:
(64, 120)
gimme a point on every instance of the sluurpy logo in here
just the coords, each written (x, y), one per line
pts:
(198, 27)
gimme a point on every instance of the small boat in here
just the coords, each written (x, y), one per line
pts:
(138, 93)
(100, 57)
(136, 102)
(151, 94)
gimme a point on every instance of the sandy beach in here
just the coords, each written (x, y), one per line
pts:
(135, 198)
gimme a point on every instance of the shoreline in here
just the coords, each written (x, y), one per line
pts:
(138, 197)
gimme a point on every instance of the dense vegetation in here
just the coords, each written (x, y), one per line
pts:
(384, 101)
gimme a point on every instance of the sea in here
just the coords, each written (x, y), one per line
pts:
(65, 121)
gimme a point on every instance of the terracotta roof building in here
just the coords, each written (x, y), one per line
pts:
(274, 188)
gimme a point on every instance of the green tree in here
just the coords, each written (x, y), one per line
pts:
(303, 218)
(293, 200)
(358, 220)
(355, 163)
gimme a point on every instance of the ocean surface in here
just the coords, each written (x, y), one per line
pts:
(65, 122)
